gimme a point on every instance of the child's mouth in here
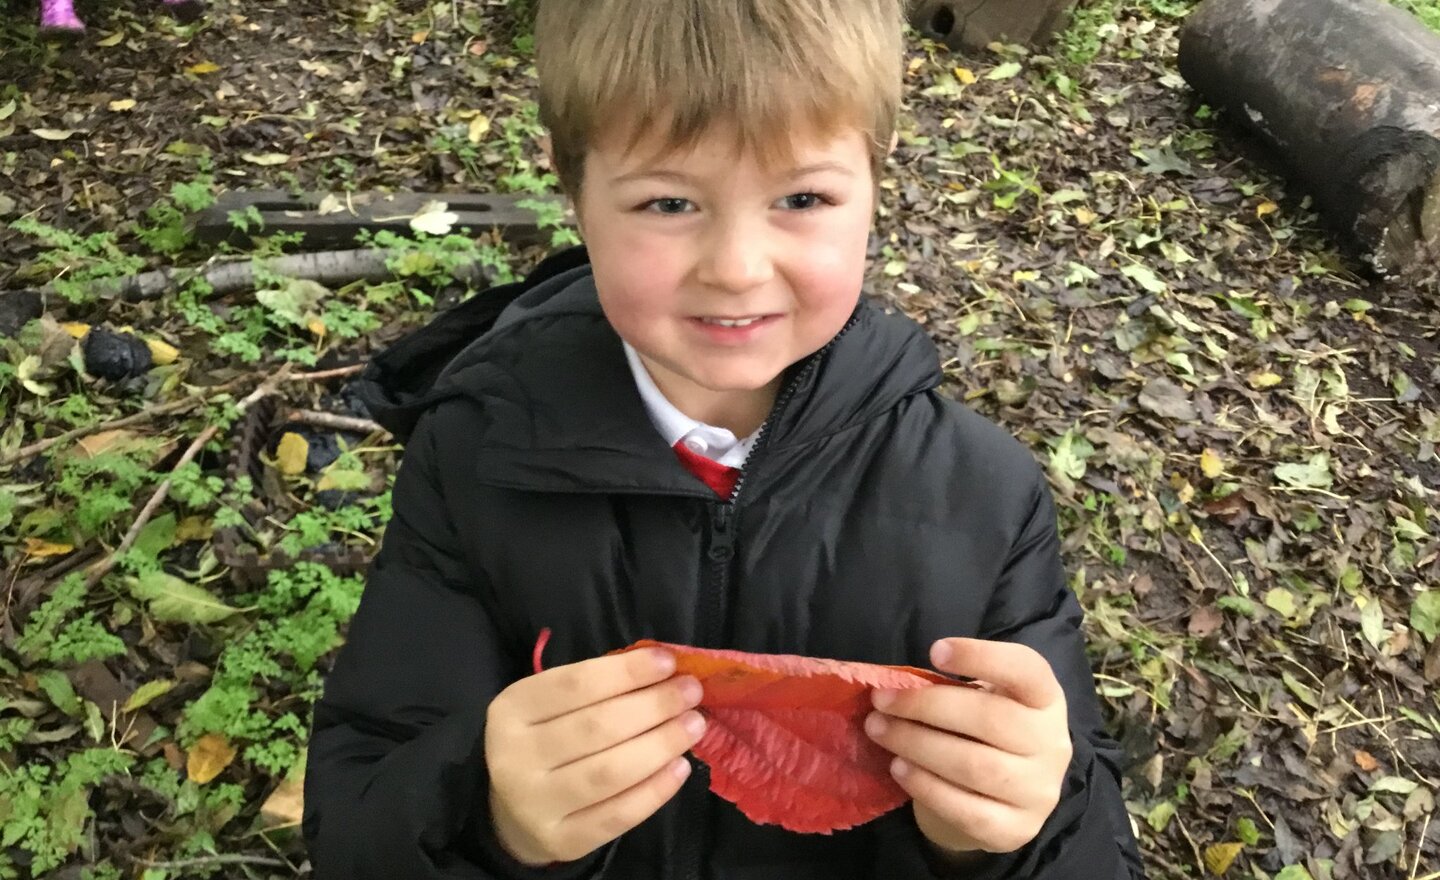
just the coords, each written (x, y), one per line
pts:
(733, 330)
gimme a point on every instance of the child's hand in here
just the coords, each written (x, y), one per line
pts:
(580, 754)
(984, 766)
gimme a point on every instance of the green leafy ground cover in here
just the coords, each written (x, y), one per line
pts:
(1240, 428)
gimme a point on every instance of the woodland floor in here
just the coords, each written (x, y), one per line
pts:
(1239, 423)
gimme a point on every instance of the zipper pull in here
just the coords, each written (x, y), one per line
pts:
(722, 537)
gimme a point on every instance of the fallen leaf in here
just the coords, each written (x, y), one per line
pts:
(112, 40)
(1263, 379)
(162, 352)
(266, 159)
(1366, 761)
(286, 804)
(172, 599)
(965, 75)
(1313, 474)
(106, 441)
(290, 455)
(1005, 71)
(122, 105)
(1165, 398)
(785, 741)
(1205, 621)
(52, 134)
(202, 68)
(1219, 856)
(77, 329)
(1265, 208)
(37, 548)
(1211, 464)
(434, 219)
(147, 693)
(479, 127)
(210, 755)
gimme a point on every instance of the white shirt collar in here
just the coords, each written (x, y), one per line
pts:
(718, 444)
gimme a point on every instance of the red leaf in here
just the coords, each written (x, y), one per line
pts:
(786, 742)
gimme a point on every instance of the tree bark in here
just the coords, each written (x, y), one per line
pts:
(1347, 92)
(971, 25)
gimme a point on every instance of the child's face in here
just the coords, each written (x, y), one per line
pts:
(684, 241)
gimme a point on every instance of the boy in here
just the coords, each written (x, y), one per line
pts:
(697, 433)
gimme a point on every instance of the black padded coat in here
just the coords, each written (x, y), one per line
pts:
(874, 516)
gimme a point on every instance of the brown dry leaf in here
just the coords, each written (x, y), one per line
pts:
(210, 755)
(1432, 663)
(1205, 621)
(105, 441)
(1366, 761)
(291, 453)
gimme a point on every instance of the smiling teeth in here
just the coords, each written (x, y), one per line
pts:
(743, 322)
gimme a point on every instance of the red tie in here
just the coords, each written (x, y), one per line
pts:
(717, 476)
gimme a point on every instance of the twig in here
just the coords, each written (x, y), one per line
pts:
(162, 491)
(322, 375)
(40, 446)
(264, 861)
(334, 422)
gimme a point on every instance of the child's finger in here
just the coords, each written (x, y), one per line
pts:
(564, 689)
(601, 726)
(986, 717)
(1015, 670)
(599, 778)
(976, 766)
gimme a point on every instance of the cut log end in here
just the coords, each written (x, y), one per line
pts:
(1412, 233)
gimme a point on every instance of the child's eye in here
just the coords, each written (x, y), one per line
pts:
(803, 201)
(668, 205)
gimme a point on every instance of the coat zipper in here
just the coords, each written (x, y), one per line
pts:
(715, 609)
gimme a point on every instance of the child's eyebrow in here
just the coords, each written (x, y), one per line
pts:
(663, 174)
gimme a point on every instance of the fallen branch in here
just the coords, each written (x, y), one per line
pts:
(331, 268)
(264, 861)
(334, 422)
(106, 565)
(26, 452)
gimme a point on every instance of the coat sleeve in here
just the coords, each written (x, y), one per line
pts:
(1089, 834)
(395, 782)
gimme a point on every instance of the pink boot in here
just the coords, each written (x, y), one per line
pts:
(59, 15)
(185, 10)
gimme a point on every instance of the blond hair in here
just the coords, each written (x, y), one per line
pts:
(676, 68)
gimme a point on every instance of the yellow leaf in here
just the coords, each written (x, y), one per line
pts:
(291, 453)
(210, 755)
(40, 549)
(122, 105)
(194, 528)
(965, 75)
(1219, 856)
(479, 126)
(1266, 208)
(51, 134)
(285, 804)
(1084, 216)
(112, 40)
(202, 68)
(419, 37)
(316, 326)
(1210, 464)
(75, 328)
(1260, 379)
(162, 352)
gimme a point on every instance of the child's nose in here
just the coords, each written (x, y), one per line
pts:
(737, 257)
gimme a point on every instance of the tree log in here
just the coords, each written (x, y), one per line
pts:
(971, 25)
(1347, 92)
